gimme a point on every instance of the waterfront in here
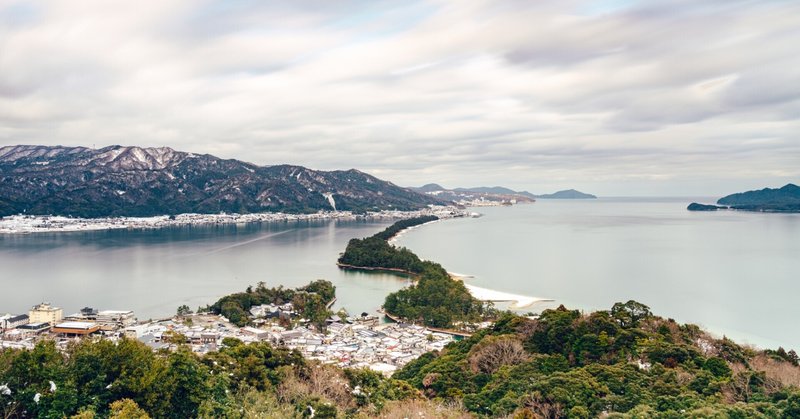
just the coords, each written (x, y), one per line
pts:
(734, 273)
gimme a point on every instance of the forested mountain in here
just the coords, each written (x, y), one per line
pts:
(785, 199)
(135, 181)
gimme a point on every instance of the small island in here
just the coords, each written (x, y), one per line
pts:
(567, 194)
(785, 199)
(694, 206)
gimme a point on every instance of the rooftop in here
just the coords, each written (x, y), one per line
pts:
(76, 325)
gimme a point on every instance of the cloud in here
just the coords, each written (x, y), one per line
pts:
(610, 96)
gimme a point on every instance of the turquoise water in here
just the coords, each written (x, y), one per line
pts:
(154, 271)
(734, 273)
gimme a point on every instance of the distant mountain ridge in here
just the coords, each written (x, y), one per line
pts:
(500, 191)
(475, 196)
(785, 199)
(136, 181)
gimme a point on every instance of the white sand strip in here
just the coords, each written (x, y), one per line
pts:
(517, 301)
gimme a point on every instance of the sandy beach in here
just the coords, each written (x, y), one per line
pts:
(484, 294)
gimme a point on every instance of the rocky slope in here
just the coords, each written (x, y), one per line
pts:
(136, 181)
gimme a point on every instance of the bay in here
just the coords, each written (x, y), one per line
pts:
(152, 272)
(733, 273)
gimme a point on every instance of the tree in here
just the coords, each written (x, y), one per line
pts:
(630, 314)
(127, 409)
(495, 351)
(184, 310)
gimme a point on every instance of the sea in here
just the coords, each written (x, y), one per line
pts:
(733, 273)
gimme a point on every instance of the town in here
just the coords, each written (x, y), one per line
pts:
(362, 341)
(44, 223)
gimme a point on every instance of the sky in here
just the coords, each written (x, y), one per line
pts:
(616, 98)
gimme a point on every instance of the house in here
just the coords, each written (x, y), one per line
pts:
(259, 334)
(10, 322)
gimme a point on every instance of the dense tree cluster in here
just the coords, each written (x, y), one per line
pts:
(376, 252)
(624, 362)
(436, 300)
(128, 380)
(311, 301)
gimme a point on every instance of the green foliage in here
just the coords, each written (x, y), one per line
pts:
(436, 300)
(184, 310)
(127, 379)
(582, 365)
(376, 252)
(311, 301)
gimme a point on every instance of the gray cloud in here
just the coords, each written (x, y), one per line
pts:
(658, 97)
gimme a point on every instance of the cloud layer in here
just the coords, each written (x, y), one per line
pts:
(672, 97)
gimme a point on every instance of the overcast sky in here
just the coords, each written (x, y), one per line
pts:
(662, 97)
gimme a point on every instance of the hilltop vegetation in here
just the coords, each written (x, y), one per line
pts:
(624, 363)
(436, 300)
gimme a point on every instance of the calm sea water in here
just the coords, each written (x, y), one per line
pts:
(154, 271)
(734, 273)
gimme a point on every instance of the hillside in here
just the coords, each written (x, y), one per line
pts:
(621, 363)
(785, 199)
(135, 181)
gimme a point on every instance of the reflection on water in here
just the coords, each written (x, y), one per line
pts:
(154, 271)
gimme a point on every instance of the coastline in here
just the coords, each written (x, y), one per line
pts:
(372, 269)
(517, 301)
(25, 224)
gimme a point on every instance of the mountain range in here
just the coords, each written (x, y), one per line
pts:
(136, 181)
(498, 193)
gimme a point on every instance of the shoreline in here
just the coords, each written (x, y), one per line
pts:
(372, 269)
(27, 224)
(517, 301)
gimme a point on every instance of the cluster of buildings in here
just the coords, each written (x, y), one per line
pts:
(348, 342)
(46, 321)
(361, 341)
(34, 223)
